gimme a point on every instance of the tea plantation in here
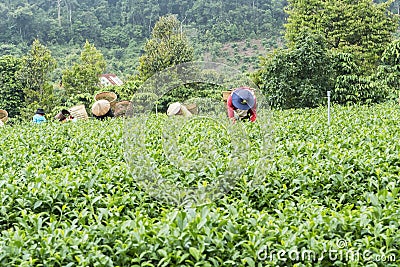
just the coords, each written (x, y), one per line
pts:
(329, 196)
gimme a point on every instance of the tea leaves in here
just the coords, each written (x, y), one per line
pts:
(324, 196)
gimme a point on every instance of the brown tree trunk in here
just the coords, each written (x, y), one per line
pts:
(59, 12)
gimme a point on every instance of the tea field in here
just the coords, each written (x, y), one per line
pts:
(329, 196)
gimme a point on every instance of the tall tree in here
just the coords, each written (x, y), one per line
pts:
(34, 75)
(299, 76)
(167, 47)
(362, 27)
(389, 70)
(11, 93)
(83, 76)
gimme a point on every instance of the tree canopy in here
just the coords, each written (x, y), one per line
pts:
(11, 93)
(356, 34)
(167, 47)
(82, 79)
(362, 28)
(109, 23)
(299, 76)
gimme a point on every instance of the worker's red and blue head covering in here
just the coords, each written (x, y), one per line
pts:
(243, 98)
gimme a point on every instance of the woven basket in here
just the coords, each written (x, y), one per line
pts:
(121, 107)
(3, 115)
(192, 108)
(79, 112)
(109, 96)
(225, 95)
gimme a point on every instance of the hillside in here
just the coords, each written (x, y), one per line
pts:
(243, 55)
(120, 28)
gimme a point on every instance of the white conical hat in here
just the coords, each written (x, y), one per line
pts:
(174, 109)
(101, 107)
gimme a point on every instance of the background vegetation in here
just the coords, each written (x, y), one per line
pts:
(120, 28)
(294, 50)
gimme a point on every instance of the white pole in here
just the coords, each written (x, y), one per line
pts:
(329, 107)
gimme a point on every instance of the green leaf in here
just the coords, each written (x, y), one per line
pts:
(195, 253)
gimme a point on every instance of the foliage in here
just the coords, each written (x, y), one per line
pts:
(362, 28)
(355, 36)
(10, 49)
(167, 47)
(69, 200)
(389, 70)
(120, 28)
(114, 24)
(298, 76)
(193, 90)
(352, 85)
(127, 90)
(34, 75)
(11, 93)
(83, 76)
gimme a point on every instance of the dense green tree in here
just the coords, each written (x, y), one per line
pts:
(34, 76)
(82, 79)
(362, 28)
(353, 84)
(170, 47)
(167, 47)
(389, 70)
(11, 93)
(297, 77)
(355, 35)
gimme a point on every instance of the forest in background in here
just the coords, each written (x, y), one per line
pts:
(233, 32)
(236, 32)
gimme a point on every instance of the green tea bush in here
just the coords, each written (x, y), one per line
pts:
(325, 196)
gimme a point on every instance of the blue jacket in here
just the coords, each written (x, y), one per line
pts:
(38, 118)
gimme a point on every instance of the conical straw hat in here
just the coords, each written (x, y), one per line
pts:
(101, 107)
(174, 109)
